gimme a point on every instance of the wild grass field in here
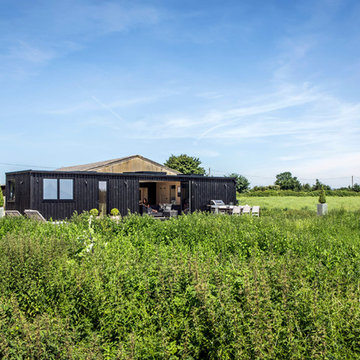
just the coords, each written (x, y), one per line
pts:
(282, 286)
(351, 203)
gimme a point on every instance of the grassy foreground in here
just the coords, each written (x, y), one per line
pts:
(351, 203)
(282, 286)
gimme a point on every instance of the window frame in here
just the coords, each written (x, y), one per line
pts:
(13, 182)
(58, 199)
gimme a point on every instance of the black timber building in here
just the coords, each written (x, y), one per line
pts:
(58, 194)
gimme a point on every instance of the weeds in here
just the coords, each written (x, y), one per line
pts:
(282, 286)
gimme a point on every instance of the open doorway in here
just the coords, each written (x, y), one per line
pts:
(160, 195)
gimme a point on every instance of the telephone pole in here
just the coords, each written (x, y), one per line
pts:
(352, 181)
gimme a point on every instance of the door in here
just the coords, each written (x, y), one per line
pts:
(102, 197)
(185, 197)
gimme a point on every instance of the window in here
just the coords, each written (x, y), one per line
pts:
(58, 189)
(66, 189)
(11, 184)
(50, 189)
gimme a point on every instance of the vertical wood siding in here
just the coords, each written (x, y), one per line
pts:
(122, 192)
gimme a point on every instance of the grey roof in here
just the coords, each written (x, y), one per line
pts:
(96, 165)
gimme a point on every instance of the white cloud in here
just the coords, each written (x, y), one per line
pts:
(28, 53)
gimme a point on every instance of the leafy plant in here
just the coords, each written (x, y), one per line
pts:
(1, 198)
(94, 212)
(185, 164)
(114, 212)
(242, 183)
(200, 286)
(322, 197)
(287, 182)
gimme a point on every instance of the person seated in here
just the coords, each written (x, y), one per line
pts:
(146, 204)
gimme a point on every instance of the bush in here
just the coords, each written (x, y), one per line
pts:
(282, 286)
(94, 212)
(322, 198)
(1, 198)
(256, 191)
(114, 212)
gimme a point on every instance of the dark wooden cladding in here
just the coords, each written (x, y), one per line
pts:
(122, 191)
(204, 190)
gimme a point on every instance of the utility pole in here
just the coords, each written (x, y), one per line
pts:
(352, 181)
(209, 172)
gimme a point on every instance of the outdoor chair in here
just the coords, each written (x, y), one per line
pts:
(255, 210)
(246, 210)
(34, 215)
(236, 210)
(12, 213)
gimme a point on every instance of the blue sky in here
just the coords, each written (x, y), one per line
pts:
(254, 87)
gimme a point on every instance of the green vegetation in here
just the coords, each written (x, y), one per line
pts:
(272, 191)
(242, 183)
(300, 203)
(322, 197)
(282, 286)
(287, 182)
(114, 212)
(94, 212)
(1, 198)
(185, 164)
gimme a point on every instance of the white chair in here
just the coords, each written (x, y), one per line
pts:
(255, 210)
(236, 210)
(246, 210)
(12, 213)
(35, 215)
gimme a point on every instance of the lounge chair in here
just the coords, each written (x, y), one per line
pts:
(12, 213)
(35, 215)
(255, 210)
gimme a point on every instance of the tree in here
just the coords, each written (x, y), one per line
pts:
(242, 183)
(185, 164)
(318, 186)
(306, 187)
(356, 187)
(287, 182)
(1, 198)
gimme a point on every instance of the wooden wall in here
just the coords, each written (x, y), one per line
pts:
(22, 192)
(122, 192)
(204, 190)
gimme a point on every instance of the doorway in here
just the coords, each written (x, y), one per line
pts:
(102, 187)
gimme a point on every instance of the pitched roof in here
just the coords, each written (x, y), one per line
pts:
(96, 165)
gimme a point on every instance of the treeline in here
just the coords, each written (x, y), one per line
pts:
(269, 191)
(288, 185)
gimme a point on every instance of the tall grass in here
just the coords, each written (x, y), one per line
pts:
(351, 203)
(282, 286)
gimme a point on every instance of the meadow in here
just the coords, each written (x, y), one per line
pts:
(300, 203)
(282, 286)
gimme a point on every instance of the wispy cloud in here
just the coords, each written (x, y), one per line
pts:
(25, 52)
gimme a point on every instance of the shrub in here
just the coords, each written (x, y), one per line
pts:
(114, 212)
(322, 197)
(1, 198)
(94, 212)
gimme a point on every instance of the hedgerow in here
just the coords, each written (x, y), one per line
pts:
(315, 193)
(282, 286)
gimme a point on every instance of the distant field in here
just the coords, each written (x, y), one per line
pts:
(298, 203)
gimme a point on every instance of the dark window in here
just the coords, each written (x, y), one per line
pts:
(11, 184)
(58, 189)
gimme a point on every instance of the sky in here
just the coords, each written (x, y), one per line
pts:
(252, 87)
